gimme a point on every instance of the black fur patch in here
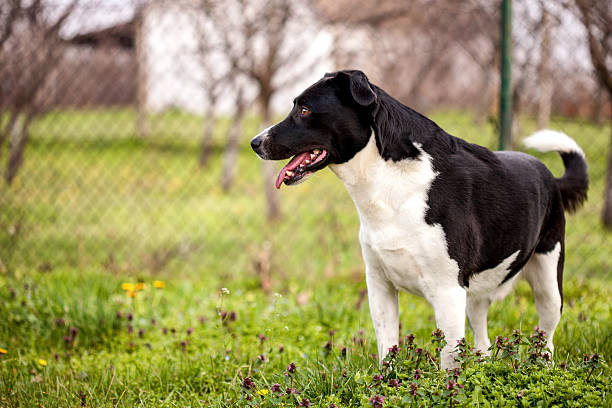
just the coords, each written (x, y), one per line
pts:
(575, 182)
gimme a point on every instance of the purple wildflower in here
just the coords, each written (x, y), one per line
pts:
(394, 350)
(414, 388)
(248, 384)
(394, 383)
(377, 401)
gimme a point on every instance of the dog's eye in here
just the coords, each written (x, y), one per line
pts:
(304, 111)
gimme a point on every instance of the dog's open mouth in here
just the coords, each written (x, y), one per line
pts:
(301, 167)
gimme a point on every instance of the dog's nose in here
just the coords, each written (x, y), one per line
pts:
(256, 142)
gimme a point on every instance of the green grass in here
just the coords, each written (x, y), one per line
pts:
(94, 207)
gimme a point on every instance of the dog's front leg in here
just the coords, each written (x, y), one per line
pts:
(449, 309)
(383, 299)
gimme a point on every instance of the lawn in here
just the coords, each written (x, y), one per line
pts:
(226, 298)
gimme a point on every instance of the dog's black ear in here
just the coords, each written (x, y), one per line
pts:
(360, 89)
(358, 85)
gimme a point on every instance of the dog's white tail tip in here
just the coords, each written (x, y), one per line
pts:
(552, 141)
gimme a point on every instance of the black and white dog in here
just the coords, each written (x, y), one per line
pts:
(440, 217)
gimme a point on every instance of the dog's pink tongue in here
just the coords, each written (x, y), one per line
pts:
(290, 166)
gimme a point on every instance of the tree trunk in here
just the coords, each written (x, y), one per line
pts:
(607, 210)
(517, 100)
(207, 140)
(598, 105)
(231, 150)
(268, 170)
(600, 52)
(544, 74)
(17, 146)
(142, 124)
(8, 130)
(269, 174)
(484, 104)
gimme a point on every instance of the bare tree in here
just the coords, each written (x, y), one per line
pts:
(255, 37)
(596, 16)
(212, 76)
(233, 138)
(544, 68)
(30, 48)
(142, 124)
(421, 45)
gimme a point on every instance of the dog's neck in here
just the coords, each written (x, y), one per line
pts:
(371, 180)
(357, 171)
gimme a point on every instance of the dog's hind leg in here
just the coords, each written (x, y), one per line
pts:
(477, 308)
(544, 272)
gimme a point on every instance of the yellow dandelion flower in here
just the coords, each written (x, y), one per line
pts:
(128, 286)
(3, 351)
(263, 392)
(42, 362)
(140, 286)
(159, 284)
(132, 293)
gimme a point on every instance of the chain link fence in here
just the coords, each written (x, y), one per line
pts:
(125, 127)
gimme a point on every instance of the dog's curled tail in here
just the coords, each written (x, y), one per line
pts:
(575, 181)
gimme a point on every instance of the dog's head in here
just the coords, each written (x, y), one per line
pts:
(329, 123)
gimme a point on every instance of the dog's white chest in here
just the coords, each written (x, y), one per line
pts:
(391, 199)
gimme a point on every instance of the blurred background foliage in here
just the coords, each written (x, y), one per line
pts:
(124, 126)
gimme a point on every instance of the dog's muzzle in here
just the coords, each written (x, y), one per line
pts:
(258, 141)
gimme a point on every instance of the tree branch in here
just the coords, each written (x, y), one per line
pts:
(597, 47)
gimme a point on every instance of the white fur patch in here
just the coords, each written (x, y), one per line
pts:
(485, 284)
(552, 141)
(391, 199)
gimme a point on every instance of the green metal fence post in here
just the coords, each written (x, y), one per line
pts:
(505, 95)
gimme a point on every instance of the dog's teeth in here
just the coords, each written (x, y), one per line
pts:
(305, 161)
(289, 173)
(316, 151)
(312, 156)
